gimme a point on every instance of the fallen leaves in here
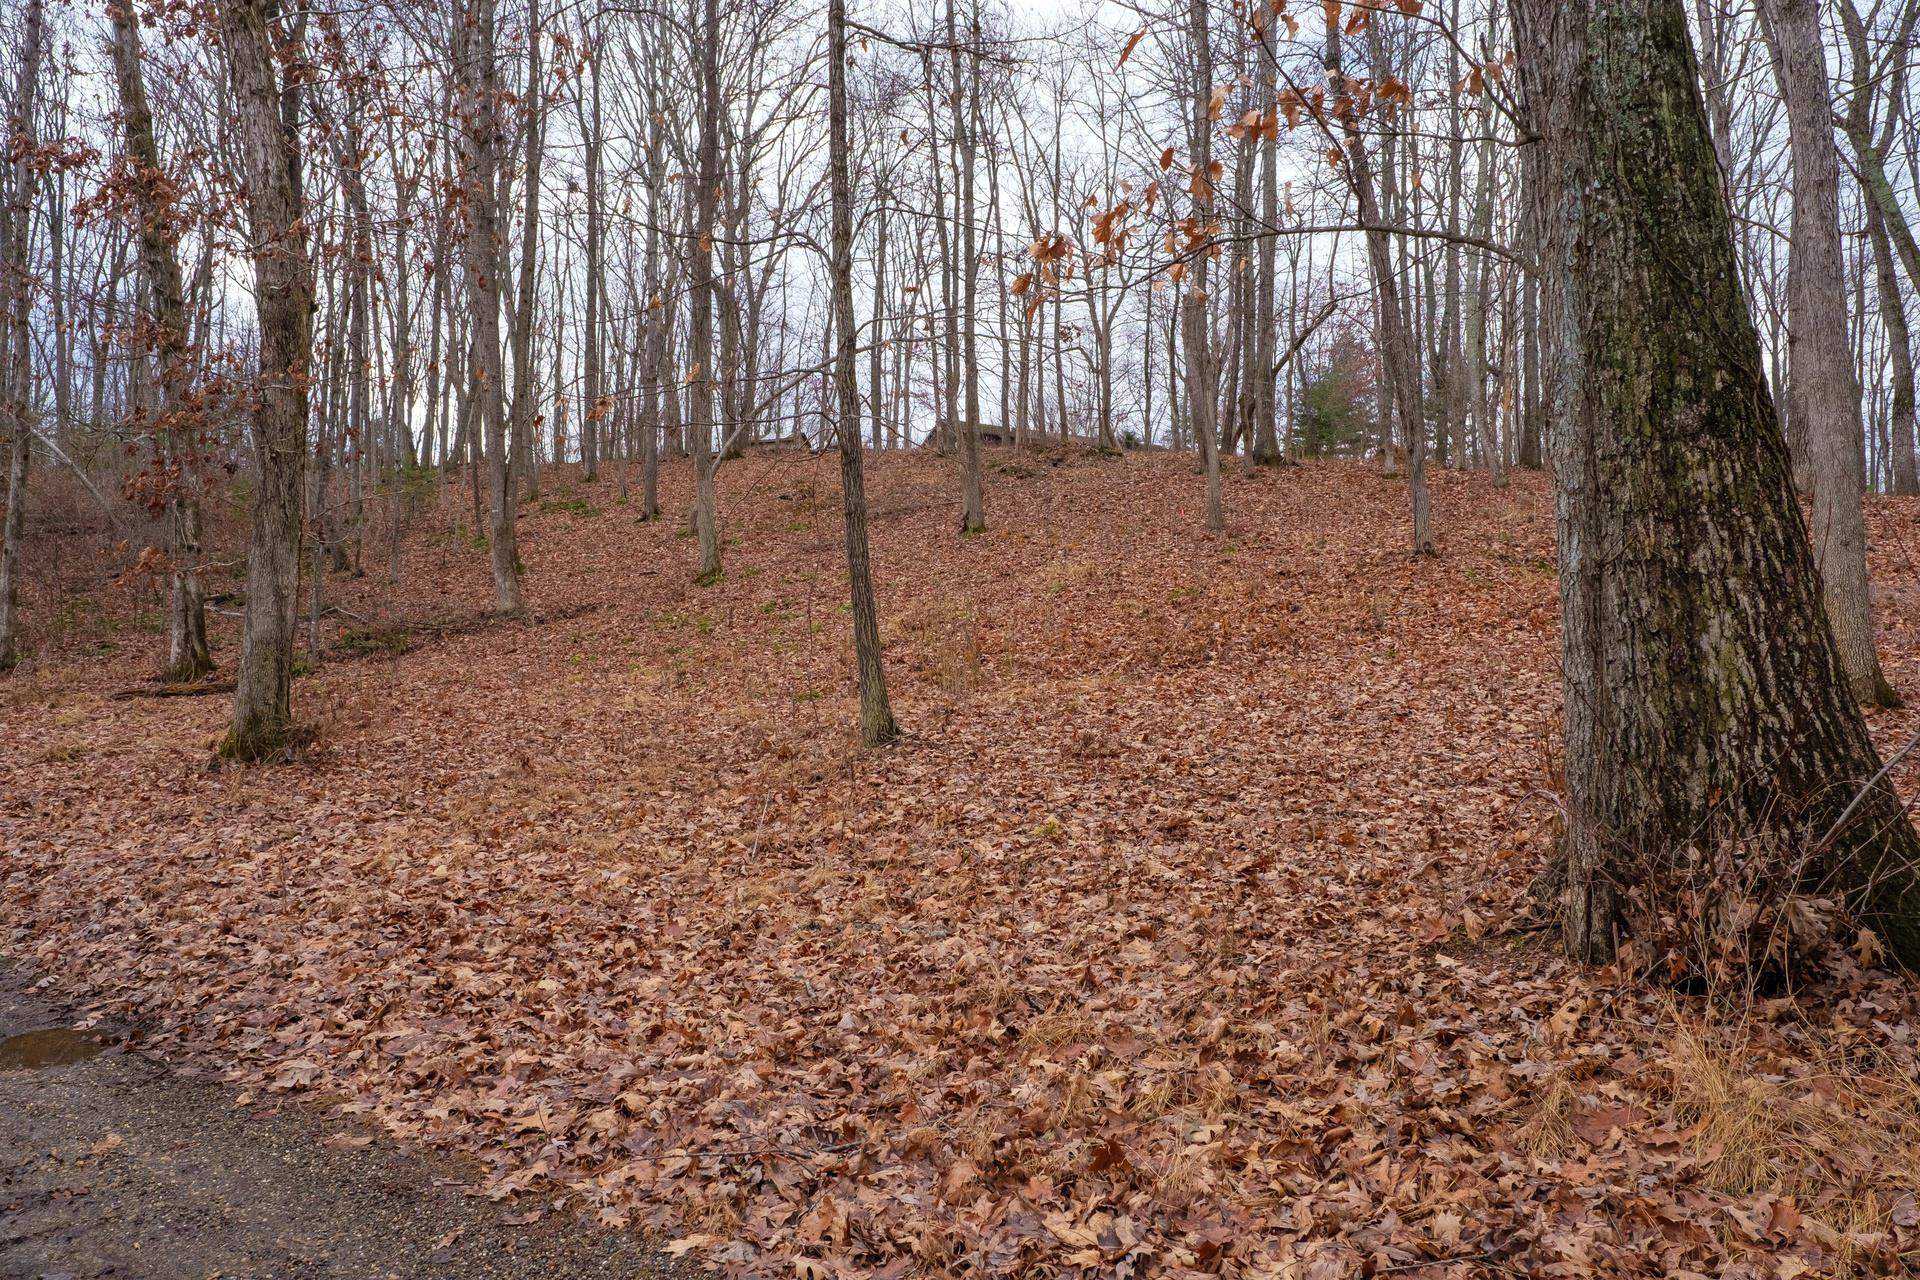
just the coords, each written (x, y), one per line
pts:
(1175, 939)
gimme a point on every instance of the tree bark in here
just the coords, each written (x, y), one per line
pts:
(1706, 707)
(480, 77)
(706, 457)
(267, 132)
(1822, 390)
(972, 514)
(16, 313)
(188, 657)
(524, 304)
(1202, 403)
(1893, 315)
(876, 717)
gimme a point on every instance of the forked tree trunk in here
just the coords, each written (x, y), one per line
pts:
(266, 131)
(1396, 343)
(480, 75)
(972, 513)
(188, 657)
(1705, 702)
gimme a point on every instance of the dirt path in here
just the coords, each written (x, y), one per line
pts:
(113, 1164)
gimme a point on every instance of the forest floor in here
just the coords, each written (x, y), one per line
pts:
(1177, 937)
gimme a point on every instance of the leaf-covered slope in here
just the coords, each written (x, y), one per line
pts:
(1169, 941)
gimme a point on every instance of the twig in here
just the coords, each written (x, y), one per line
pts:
(1846, 814)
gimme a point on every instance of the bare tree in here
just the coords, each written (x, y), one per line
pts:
(479, 69)
(267, 133)
(16, 313)
(188, 657)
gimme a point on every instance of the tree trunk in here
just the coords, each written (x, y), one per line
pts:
(1706, 707)
(188, 657)
(1823, 392)
(593, 343)
(480, 73)
(1396, 345)
(16, 313)
(267, 132)
(1202, 403)
(523, 310)
(876, 717)
(1265, 449)
(972, 514)
(1893, 315)
(706, 458)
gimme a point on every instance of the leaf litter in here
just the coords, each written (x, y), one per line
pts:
(1178, 938)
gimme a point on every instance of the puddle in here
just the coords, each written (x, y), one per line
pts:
(50, 1047)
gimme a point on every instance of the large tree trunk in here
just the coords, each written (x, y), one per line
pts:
(1706, 708)
(267, 132)
(1822, 389)
(188, 657)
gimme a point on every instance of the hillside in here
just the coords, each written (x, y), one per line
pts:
(1177, 937)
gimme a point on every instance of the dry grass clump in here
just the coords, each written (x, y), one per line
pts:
(1835, 1133)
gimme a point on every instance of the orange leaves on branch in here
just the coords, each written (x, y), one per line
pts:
(1200, 183)
(1052, 256)
(1110, 230)
(1218, 102)
(1256, 125)
(1052, 247)
(1133, 42)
